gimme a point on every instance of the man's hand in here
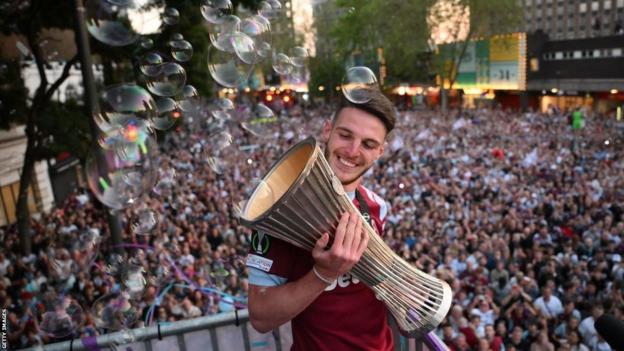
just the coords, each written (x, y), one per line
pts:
(350, 241)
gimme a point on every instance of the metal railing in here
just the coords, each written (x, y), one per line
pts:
(223, 332)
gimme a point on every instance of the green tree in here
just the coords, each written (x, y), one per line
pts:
(28, 19)
(398, 27)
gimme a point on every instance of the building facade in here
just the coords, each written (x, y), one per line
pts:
(574, 19)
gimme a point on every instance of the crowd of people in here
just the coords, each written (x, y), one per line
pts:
(520, 213)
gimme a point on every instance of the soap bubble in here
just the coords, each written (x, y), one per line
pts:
(281, 63)
(168, 113)
(119, 175)
(258, 28)
(188, 98)
(166, 180)
(181, 50)
(62, 316)
(358, 83)
(171, 16)
(231, 69)
(299, 56)
(114, 24)
(214, 10)
(150, 64)
(133, 280)
(122, 103)
(144, 221)
(169, 81)
(229, 24)
(146, 43)
(73, 253)
(114, 311)
(176, 37)
(261, 121)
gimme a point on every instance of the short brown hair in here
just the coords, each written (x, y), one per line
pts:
(378, 105)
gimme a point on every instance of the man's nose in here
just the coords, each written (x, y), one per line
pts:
(353, 148)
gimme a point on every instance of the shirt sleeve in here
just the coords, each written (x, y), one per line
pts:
(261, 278)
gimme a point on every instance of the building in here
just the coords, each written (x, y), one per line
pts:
(576, 72)
(40, 194)
(574, 19)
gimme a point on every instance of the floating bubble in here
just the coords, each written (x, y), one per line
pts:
(176, 37)
(119, 175)
(258, 28)
(171, 16)
(166, 180)
(220, 33)
(150, 64)
(261, 121)
(133, 281)
(282, 64)
(217, 164)
(299, 56)
(73, 253)
(122, 103)
(270, 9)
(214, 10)
(219, 141)
(62, 316)
(358, 84)
(181, 50)
(224, 104)
(114, 24)
(188, 98)
(146, 43)
(115, 311)
(298, 74)
(144, 222)
(231, 69)
(169, 81)
(168, 114)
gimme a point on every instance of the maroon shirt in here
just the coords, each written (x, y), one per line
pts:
(347, 315)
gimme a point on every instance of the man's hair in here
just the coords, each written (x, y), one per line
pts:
(378, 105)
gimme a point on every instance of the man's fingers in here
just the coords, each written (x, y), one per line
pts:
(357, 234)
(340, 231)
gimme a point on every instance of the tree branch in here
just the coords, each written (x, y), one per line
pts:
(62, 78)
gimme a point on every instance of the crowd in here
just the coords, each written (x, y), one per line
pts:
(520, 213)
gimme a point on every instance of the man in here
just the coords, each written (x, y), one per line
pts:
(548, 304)
(329, 308)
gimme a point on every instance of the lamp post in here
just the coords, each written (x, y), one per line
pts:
(90, 101)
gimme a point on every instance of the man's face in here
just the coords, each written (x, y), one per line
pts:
(354, 142)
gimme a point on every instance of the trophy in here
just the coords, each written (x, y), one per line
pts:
(300, 199)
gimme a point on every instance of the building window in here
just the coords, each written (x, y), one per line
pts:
(577, 54)
(607, 5)
(594, 5)
(558, 55)
(616, 52)
(583, 7)
(596, 53)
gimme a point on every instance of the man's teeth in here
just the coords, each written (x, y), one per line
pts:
(346, 163)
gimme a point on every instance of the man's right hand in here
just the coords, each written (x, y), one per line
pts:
(349, 244)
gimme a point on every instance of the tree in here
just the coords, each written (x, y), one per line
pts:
(396, 26)
(29, 19)
(457, 22)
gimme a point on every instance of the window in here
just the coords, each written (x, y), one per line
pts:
(594, 5)
(558, 55)
(607, 5)
(577, 54)
(596, 53)
(616, 52)
(583, 7)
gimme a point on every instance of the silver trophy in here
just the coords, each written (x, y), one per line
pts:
(300, 199)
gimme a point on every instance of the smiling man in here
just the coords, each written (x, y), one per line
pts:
(329, 308)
